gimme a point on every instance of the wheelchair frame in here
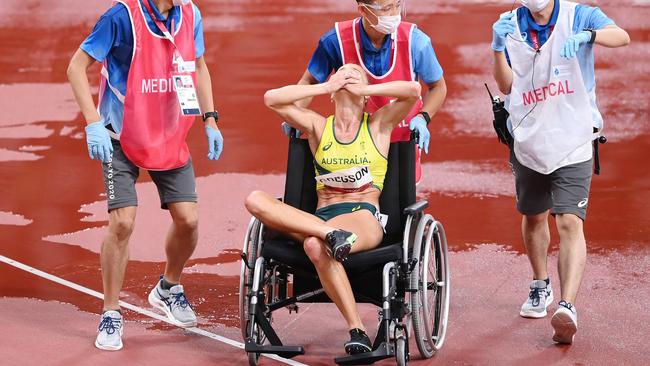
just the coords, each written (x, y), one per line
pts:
(415, 289)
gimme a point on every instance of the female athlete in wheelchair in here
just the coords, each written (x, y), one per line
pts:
(350, 149)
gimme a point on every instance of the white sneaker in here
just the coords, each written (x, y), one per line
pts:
(109, 332)
(539, 298)
(174, 304)
(565, 323)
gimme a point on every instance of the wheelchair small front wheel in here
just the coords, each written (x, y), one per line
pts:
(254, 357)
(401, 351)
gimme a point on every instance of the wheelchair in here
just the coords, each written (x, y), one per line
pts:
(407, 276)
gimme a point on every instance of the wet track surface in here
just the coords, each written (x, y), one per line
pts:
(52, 207)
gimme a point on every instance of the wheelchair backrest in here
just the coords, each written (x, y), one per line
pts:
(398, 192)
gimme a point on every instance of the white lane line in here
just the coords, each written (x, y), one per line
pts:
(137, 309)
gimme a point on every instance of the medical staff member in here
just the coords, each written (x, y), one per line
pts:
(141, 123)
(544, 63)
(388, 49)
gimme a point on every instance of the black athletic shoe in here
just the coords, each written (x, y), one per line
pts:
(358, 343)
(340, 242)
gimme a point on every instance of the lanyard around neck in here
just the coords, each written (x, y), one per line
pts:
(535, 38)
(160, 25)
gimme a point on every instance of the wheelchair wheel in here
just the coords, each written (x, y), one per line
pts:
(251, 246)
(430, 276)
(401, 351)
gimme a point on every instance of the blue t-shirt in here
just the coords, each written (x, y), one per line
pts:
(586, 17)
(327, 57)
(112, 41)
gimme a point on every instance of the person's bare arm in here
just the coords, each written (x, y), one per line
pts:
(435, 96)
(502, 72)
(306, 79)
(406, 93)
(204, 90)
(612, 36)
(78, 78)
(283, 100)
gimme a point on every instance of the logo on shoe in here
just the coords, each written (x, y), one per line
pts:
(583, 203)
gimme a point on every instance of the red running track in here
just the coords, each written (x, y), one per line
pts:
(52, 209)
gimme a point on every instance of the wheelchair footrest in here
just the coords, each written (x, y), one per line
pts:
(382, 352)
(282, 351)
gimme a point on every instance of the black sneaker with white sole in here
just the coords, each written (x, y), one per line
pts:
(359, 342)
(340, 242)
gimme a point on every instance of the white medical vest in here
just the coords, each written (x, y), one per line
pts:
(549, 106)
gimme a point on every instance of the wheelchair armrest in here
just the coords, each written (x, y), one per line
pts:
(416, 208)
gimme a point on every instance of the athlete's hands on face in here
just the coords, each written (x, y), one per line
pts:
(342, 78)
(356, 88)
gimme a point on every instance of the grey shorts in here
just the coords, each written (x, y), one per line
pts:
(565, 191)
(120, 175)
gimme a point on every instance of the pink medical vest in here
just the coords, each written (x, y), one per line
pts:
(154, 129)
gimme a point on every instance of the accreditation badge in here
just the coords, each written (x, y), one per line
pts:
(186, 93)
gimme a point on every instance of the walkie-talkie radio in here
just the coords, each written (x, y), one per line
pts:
(500, 121)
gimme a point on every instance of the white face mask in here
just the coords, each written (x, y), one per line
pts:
(535, 6)
(386, 24)
(180, 2)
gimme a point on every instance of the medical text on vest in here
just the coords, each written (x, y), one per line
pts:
(553, 89)
(158, 86)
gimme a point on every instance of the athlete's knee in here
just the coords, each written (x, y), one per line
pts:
(315, 251)
(568, 224)
(255, 202)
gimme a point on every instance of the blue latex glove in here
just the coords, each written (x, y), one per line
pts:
(286, 129)
(504, 26)
(215, 142)
(418, 123)
(99, 142)
(573, 43)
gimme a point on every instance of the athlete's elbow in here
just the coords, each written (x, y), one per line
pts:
(414, 90)
(269, 99)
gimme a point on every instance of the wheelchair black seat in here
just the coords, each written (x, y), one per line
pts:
(288, 252)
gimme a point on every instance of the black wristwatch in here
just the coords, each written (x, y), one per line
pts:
(214, 114)
(426, 116)
(593, 35)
